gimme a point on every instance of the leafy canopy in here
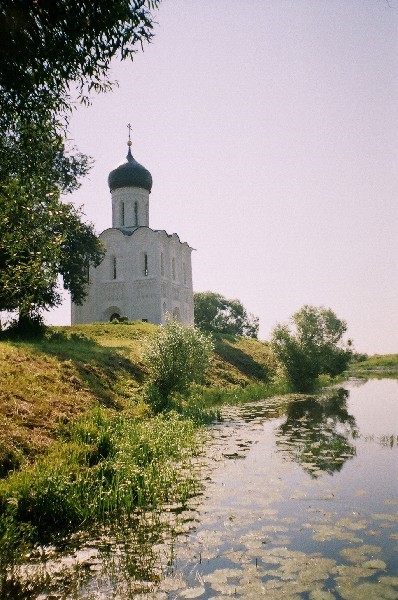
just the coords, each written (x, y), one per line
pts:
(47, 45)
(214, 313)
(41, 237)
(40, 241)
(311, 345)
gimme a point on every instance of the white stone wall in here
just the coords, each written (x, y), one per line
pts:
(130, 208)
(143, 276)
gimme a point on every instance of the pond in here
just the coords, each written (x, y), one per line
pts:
(300, 501)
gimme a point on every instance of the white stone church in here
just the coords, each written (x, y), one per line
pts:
(146, 273)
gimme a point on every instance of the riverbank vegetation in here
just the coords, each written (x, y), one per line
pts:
(377, 366)
(79, 442)
(310, 345)
(52, 380)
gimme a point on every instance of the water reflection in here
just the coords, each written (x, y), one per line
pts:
(318, 433)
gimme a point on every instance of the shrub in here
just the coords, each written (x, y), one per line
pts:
(175, 357)
(311, 346)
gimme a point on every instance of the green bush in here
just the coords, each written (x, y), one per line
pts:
(311, 346)
(175, 357)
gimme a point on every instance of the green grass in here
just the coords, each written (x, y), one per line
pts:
(103, 468)
(377, 366)
(79, 446)
(69, 371)
(240, 361)
(50, 381)
(235, 394)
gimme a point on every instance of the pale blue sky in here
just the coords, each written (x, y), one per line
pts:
(270, 128)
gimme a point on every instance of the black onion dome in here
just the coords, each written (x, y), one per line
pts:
(130, 174)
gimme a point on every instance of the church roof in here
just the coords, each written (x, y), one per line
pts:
(130, 174)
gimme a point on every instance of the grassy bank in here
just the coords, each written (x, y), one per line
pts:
(77, 443)
(377, 366)
(49, 382)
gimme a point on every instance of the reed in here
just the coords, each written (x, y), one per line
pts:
(104, 468)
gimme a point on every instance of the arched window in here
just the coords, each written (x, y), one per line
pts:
(161, 264)
(114, 268)
(173, 267)
(146, 264)
(136, 214)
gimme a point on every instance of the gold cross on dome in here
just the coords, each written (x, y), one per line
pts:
(129, 128)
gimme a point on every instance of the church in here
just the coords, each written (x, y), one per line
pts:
(146, 273)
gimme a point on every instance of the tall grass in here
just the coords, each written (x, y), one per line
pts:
(203, 397)
(106, 467)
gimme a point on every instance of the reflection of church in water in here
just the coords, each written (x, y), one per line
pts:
(146, 273)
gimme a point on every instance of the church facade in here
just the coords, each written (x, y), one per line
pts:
(146, 273)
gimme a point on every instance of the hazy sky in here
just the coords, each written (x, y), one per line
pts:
(270, 128)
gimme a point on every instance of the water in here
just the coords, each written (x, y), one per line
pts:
(300, 501)
(303, 505)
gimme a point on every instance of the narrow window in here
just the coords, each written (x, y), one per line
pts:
(136, 213)
(146, 265)
(122, 213)
(161, 264)
(173, 268)
(114, 268)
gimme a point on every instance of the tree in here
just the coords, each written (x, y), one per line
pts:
(41, 237)
(51, 52)
(311, 345)
(176, 357)
(40, 241)
(214, 313)
(47, 46)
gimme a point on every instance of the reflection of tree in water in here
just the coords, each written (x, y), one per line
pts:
(317, 433)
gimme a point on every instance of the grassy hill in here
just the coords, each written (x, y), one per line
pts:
(46, 383)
